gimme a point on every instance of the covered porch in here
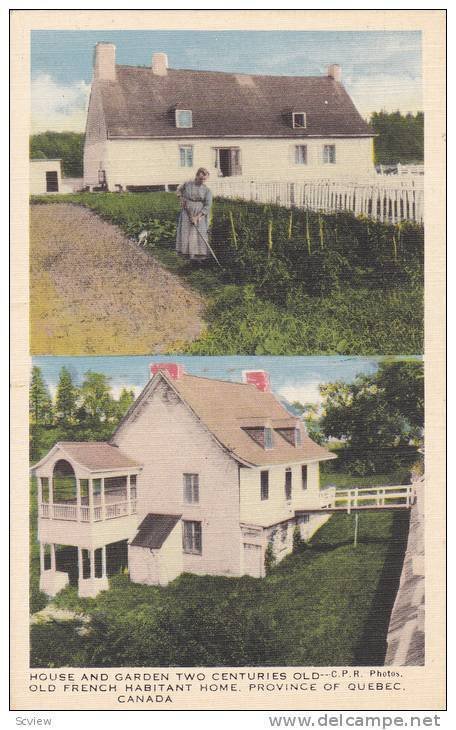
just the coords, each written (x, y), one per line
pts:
(87, 498)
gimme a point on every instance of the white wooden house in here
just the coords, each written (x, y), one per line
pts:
(153, 127)
(199, 476)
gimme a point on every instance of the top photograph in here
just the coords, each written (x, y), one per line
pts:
(226, 192)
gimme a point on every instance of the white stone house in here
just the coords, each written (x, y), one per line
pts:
(199, 477)
(153, 127)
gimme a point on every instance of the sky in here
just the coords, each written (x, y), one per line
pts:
(380, 69)
(292, 378)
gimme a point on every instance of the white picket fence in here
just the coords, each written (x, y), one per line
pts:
(378, 198)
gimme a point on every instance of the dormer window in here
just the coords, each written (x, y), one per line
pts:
(184, 118)
(298, 438)
(299, 120)
(268, 438)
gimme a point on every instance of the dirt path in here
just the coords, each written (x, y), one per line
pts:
(95, 292)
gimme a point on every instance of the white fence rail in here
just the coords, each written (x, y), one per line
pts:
(84, 513)
(363, 497)
(376, 198)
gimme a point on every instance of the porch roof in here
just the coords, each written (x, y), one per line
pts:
(94, 456)
(154, 529)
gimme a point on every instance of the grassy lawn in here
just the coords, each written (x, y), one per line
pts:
(297, 296)
(328, 604)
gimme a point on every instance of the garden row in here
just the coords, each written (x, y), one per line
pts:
(278, 250)
(293, 281)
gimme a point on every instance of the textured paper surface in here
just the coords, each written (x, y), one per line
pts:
(421, 687)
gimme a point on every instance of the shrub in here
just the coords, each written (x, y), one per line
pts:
(298, 542)
(269, 558)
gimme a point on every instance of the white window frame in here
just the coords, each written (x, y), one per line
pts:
(191, 488)
(190, 537)
(269, 440)
(299, 114)
(183, 155)
(297, 154)
(183, 126)
(327, 154)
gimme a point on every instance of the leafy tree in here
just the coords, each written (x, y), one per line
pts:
(40, 401)
(125, 400)
(67, 146)
(97, 405)
(401, 137)
(66, 399)
(379, 416)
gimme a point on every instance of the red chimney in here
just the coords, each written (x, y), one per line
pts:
(259, 378)
(172, 369)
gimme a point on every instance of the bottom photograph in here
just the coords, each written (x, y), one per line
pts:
(226, 511)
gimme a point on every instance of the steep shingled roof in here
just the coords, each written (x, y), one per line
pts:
(141, 104)
(223, 407)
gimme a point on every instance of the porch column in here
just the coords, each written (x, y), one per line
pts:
(103, 561)
(92, 564)
(80, 565)
(78, 499)
(90, 499)
(51, 496)
(52, 556)
(103, 499)
(128, 494)
(41, 557)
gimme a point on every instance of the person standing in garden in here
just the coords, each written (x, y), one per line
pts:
(192, 228)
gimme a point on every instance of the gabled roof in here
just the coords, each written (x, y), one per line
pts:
(93, 455)
(154, 529)
(142, 104)
(224, 407)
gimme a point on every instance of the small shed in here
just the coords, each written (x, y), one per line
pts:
(45, 176)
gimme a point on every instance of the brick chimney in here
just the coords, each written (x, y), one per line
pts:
(172, 369)
(335, 72)
(104, 66)
(258, 378)
(160, 64)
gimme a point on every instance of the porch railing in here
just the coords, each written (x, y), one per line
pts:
(389, 496)
(85, 513)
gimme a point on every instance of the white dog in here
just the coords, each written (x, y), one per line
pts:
(143, 238)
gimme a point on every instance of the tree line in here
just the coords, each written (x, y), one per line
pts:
(400, 139)
(378, 418)
(88, 412)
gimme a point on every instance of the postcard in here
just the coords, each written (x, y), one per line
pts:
(228, 242)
